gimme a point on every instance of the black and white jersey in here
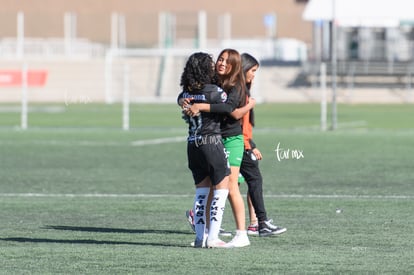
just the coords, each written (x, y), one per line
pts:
(229, 125)
(205, 124)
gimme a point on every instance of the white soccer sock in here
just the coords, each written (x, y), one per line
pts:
(200, 203)
(216, 212)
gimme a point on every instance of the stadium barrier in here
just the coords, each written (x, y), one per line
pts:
(23, 78)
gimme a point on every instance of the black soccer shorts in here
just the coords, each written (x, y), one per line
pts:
(208, 159)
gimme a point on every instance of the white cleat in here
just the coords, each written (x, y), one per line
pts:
(217, 243)
(240, 240)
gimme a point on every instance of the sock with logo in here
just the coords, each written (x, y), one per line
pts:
(218, 204)
(200, 202)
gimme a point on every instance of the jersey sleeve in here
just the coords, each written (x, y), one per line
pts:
(180, 96)
(227, 107)
(217, 95)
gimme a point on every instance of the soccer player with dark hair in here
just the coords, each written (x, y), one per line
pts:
(249, 169)
(207, 158)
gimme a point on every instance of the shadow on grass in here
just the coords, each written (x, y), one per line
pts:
(115, 230)
(100, 242)
(43, 240)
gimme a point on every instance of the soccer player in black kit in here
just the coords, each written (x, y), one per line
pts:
(207, 158)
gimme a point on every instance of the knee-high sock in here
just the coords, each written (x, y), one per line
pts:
(200, 202)
(216, 212)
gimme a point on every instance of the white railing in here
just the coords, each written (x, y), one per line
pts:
(52, 47)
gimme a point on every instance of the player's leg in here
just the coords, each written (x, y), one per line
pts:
(219, 173)
(235, 147)
(199, 170)
(251, 172)
(253, 227)
(199, 210)
(218, 203)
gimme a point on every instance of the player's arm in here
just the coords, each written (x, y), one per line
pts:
(238, 113)
(257, 154)
(222, 108)
(182, 101)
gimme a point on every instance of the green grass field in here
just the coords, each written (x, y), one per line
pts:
(81, 196)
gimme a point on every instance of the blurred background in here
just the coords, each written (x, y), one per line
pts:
(101, 51)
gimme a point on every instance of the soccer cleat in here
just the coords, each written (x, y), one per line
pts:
(217, 243)
(267, 228)
(190, 219)
(224, 233)
(253, 230)
(240, 240)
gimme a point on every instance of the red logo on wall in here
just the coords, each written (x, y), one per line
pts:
(35, 78)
